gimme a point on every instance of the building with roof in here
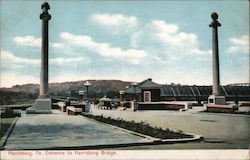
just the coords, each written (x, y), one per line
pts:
(149, 91)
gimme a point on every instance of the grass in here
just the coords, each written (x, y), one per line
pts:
(142, 127)
(5, 124)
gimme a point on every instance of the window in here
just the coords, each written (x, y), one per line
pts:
(147, 96)
(211, 100)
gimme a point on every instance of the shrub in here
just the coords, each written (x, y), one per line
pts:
(142, 127)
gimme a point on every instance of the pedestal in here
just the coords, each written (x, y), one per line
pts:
(134, 106)
(214, 99)
(41, 106)
(87, 107)
(218, 104)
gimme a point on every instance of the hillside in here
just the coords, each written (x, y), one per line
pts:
(28, 92)
(96, 86)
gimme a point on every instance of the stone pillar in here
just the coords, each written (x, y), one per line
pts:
(122, 98)
(43, 103)
(215, 98)
(45, 17)
(81, 93)
(215, 56)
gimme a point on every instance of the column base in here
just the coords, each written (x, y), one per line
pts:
(43, 96)
(41, 106)
(215, 99)
(218, 104)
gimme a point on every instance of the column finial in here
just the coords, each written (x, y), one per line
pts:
(45, 15)
(45, 7)
(214, 22)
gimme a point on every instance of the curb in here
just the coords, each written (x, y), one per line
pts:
(158, 140)
(115, 146)
(125, 130)
(184, 140)
(150, 140)
(7, 134)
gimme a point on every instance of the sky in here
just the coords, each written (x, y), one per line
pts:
(168, 41)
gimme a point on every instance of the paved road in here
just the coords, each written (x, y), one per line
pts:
(39, 131)
(221, 131)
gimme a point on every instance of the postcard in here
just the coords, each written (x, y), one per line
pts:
(124, 80)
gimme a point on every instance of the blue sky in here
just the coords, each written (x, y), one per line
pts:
(168, 41)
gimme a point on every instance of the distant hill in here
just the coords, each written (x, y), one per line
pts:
(27, 93)
(97, 86)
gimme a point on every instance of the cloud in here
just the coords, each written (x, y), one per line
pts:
(168, 34)
(10, 57)
(104, 49)
(63, 61)
(21, 60)
(162, 26)
(31, 41)
(116, 23)
(57, 45)
(28, 40)
(115, 20)
(239, 45)
(168, 43)
(8, 79)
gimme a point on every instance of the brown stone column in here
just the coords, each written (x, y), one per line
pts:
(45, 17)
(216, 97)
(215, 55)
(43, 103)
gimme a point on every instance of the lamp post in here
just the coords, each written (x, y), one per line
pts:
(134, 84)
(87, 84)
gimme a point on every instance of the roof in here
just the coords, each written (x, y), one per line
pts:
(148, 83)
(186, 90)
(175, 90)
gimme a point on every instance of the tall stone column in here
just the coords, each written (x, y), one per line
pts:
(45, 17)
(216, 97)
(215, 56)
(43, 103)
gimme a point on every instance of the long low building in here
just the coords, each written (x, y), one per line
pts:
(149, 91)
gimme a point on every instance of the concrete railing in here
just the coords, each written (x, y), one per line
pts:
(19, 106)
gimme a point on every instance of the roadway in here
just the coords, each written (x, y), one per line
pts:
(220, 131)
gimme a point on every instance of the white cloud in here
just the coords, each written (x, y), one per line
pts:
(31, 41)
(239, 45)
(243, 40)
(21, 60)
(168, 43)
(168, 33)
(63, 61)
(162, 26)
(115, 20)
(57, 45)
(115, 23)
(28, 40)
(8, 79)
(104, 49)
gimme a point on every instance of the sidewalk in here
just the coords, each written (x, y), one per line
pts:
(40, 131)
